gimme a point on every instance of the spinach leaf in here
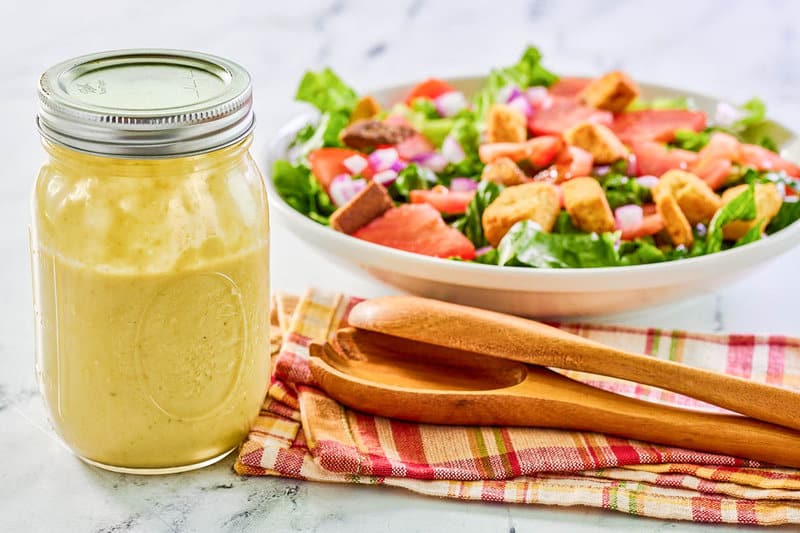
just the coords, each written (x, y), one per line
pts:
(411, 178)
(743, 207)
(527, 245)
(326, 91)
(527, 72)
(298, 187)
(787, 215)
(470, 224)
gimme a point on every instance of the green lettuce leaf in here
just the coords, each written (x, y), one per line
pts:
(622, 190)
(434, 129)
(426, 107)
(526, 244)
(411, 178)
(691, 140)
(465, 131)
(787, 215)
(322, 134)
(470, 224)
(298, 187)
(527, 72)
(743, 207)
(679, 102)
(327, 92)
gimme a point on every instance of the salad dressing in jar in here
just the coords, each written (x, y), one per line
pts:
(150, 257)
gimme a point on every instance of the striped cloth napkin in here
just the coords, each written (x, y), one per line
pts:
(302, 433)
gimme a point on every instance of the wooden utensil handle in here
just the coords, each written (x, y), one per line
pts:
(527, 341)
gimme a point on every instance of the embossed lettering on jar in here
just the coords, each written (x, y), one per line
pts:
(150, 244)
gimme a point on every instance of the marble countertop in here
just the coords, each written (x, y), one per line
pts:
(734, 49)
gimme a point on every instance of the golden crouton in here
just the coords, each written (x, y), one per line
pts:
(532, 201)
(612, 92)
(366, 107)
(505, 124)
(675, 222)
(586, 203)
(694, 197)
(768, 202)
(504, 172)
(598, 140)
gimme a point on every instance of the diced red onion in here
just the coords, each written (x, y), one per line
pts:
(463, 184)
(383, 159)
(398, 165)
(450, 103)
(433, 160)
(602, 170)
(355, 164)
(633, 165)
(538, 96)
(385, 177)
(648, 182)
(483, 250)
(452, 150)
(343, 188)
(508, 93)
(727, 114)
(521, 104)
(628, 217)
(701, 229)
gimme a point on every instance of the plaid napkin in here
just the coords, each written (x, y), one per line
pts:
(304, 434)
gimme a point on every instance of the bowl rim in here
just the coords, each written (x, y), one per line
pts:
(373, 254)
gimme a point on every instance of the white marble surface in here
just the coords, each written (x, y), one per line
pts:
(730, 48)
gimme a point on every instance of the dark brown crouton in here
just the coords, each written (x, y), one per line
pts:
(367, 205)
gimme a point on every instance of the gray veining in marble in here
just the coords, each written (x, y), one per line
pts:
(734, 49)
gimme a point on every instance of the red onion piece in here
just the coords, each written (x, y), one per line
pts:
(483, 250)
(727, 114)
(452, 150)
(355, 164)
(398, 165)
(633, 165)
(385, 177)
(463, 184)
(434, 161)
(602, 170)
(450, 103)
(538, 96)
(508, 93)
(648, 182)
(521, 104)
(383, 158)
(343, 188)
(628, 217)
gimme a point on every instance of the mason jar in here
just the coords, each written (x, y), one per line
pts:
(150, 259)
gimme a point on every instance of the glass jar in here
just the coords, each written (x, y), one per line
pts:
(150, 259)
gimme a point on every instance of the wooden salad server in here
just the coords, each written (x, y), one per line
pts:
(509, 337)
(403, 379)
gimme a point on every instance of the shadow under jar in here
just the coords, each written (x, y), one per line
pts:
(150, 259)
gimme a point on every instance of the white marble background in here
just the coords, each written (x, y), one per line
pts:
(730, 48)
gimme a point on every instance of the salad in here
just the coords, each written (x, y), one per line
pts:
(538, 171)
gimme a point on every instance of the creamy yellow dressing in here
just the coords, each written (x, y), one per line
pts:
(152, 283)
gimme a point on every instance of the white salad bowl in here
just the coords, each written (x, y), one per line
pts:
(565, 292)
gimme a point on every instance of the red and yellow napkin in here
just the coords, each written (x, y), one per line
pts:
(304, 434)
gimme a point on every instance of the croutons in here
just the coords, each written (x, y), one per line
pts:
(678, 228)
(768, 202)
(367, 205)
(505, 124)
(612, 92)
(587, 205)
(504, 172)
(366, 107)
(598, 140)
(532, 201)
(696, 199)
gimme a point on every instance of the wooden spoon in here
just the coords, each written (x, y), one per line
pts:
(509, 337)
(391, 377)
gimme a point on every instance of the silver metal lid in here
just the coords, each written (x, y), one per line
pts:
(145, 103)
